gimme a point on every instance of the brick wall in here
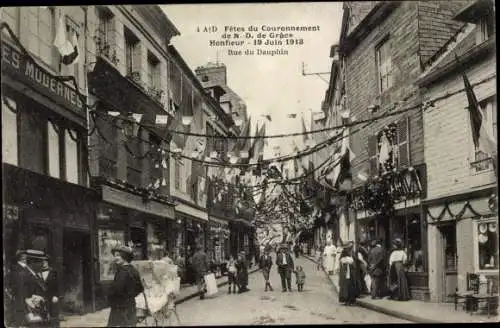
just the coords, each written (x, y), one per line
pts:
(361, 81)
(448, 140)
(436, 25)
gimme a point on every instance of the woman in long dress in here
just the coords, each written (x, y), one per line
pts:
(329, 257)
(347, 277)
(398, 282)
(124, 289)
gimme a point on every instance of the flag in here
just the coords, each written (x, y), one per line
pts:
(384, 154)
(61, 41)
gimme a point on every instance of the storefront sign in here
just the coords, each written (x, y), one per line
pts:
(135, 202)
(25, 69)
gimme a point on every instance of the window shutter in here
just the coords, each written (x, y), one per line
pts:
(403, 142)
(372, 154)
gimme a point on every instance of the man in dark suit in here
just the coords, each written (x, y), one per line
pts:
(201, 267)
(377, 262)
(284, 262)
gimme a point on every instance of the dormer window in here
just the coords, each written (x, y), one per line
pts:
(484, 30)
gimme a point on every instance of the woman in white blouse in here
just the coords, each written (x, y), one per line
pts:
(398, 282)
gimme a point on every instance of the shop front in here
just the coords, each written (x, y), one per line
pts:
(218, 244)
(60, 216)
(463, 232)
(127, 218)
(194, 232)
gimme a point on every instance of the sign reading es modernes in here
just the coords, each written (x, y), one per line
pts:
(25, 66)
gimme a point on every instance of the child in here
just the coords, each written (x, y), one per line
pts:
(319, 258)
(231, 274)
(300, 277)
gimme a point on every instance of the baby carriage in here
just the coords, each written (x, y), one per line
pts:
(158, 318)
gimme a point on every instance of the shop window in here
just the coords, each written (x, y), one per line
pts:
(33, 136)
(71, 156)
(414, 242)
(487, 241)
(139, 242)
(449, 236)
(9, 131)
(108, 239)
(53, 150)
(384, 66)
(41, 34)
(156, 242)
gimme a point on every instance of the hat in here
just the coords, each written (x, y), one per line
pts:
(124, 250)
(348, 244)
(33, 254)
(268, 248)
(373, 243)
(397, 242)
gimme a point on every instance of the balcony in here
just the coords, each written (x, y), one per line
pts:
(125, 94)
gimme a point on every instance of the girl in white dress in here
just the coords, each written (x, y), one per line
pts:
(329, 257)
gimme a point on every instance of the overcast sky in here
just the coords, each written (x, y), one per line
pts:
(267, 84)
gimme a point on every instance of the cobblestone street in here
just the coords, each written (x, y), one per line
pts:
(317, 304)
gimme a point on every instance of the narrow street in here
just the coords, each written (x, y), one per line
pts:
(317, 304)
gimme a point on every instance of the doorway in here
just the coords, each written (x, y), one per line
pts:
(448, 234)
(76, 273)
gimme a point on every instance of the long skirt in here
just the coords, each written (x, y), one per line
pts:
(347, 285)
(398, 282)
(242, 277)
(123, 316)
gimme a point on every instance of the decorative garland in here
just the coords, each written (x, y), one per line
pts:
(446, 209)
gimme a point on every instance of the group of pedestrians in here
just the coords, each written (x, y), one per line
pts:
(285, 267)
(237, 274)
(364, 270)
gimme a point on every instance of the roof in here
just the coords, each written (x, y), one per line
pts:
(474, 11)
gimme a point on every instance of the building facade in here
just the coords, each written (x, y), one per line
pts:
(459, 209)
(242, 235)
(129, 90)
(383, 49)
(46, 197)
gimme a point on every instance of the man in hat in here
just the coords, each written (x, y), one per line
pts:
(377, 268)
(126, 285)
(201, 266)
(30, 300)
(266, 262)
(284, 261)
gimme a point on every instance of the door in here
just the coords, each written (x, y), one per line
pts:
(76, 272)
(449, 263)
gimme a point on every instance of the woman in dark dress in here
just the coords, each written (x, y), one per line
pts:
(126, 286)
(347, 276)
(398, 282)
(242, 273)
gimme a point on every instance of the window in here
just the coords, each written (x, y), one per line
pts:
(105, 29)
(132, 55)
(489, 112)
(73, 69)
(108, 239)
(53, 150)
(71, 154)
(485, 29)
(384, 66)
(178, 167)
(487, 245)
(9, 131)
(10, 15)
(41, 34)
(397, 135)
(154, 78)
(32, 137)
